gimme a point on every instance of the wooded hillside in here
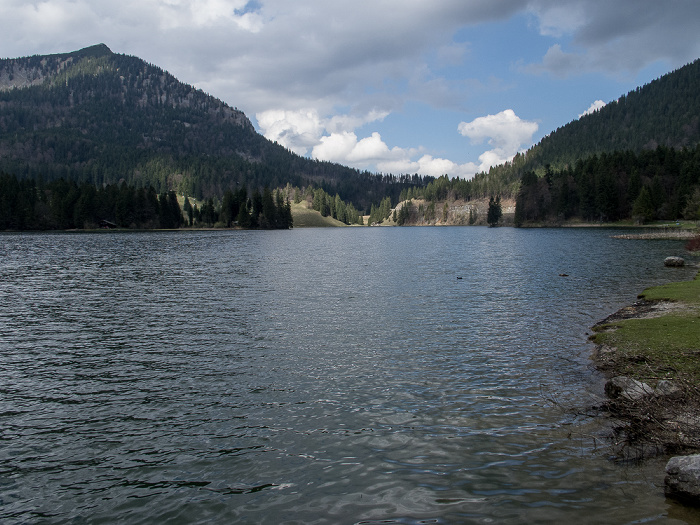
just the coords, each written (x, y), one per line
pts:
(99, 117)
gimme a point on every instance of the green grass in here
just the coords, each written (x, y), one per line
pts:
(306, 218)
(659, 347)
(685, 292)
(656, 348)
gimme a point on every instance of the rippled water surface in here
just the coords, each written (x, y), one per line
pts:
(393, 375)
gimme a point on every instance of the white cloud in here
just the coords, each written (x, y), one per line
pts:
(428, 165)
(295, 130)
(505, 131)
(345, 148)
(302, 130)
(373, 151)
(335, 146)
(370, 149)
(593, 108)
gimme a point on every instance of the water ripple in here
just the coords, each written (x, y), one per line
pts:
(310, 376)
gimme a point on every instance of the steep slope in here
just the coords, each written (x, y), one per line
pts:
(101, 117)
(665, 112)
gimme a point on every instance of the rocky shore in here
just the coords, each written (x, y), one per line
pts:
(665, 233)
(653, 415)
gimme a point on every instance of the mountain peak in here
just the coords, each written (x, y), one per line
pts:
(98, 50)
(33, 71)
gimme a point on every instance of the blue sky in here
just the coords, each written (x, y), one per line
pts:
(394, 86)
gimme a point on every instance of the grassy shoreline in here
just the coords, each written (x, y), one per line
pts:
(656, 341)
(658, 336)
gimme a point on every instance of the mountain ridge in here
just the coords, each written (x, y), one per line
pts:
(663, 112)
(634, 121)
(96, 116)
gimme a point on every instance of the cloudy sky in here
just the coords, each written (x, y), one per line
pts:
(393, 86)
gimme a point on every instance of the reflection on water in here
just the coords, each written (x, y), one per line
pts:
(314, 376)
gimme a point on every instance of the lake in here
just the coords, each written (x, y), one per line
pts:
(356, 375)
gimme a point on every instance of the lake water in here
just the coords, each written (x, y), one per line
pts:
(358, 375)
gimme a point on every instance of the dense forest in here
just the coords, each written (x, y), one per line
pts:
(26, 204)
(654, 184)
(664, 113)
(97, 117)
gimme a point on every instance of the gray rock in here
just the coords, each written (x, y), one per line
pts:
(674, 261)
(667, 388)
(627, 388)
(682, 480)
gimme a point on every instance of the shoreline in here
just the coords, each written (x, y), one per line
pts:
(682, 235)
(652, 390)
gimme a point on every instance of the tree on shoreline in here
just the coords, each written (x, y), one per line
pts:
(495, 212)
(649, 185)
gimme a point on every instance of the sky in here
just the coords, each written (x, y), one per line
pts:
(435, 87)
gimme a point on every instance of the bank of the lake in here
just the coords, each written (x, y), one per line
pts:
(655, 341)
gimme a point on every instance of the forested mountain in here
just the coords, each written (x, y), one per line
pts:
(636, 158)
(99, 117)
(665, 112)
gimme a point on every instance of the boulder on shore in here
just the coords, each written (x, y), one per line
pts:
(627, 388)
(666, 388)
(676, 262)
(682, 480)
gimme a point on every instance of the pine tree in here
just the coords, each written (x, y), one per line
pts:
(643, 208)
(494, 213)
(243, 217)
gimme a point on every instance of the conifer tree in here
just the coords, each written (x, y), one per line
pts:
(643, 208)
(494, 212)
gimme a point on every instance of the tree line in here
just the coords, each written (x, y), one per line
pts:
(29, 204)
(650, 185)
(327, 205)
(482, 185)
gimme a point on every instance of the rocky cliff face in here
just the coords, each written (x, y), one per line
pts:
(15, 75)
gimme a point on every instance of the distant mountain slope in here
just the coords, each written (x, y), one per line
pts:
(665, 112)
(638, 158)
(96, 116)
